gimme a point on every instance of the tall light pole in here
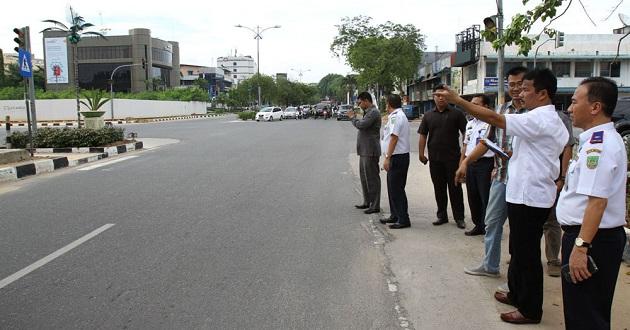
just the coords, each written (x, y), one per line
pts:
(491, 24)
(258, 35)
(300, 73)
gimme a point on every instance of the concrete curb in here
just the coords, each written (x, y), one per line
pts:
(49, 165)
(131, 121)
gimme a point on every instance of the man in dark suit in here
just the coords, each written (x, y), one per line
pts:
(369, 150)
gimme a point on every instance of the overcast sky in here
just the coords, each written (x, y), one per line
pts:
(205, 29)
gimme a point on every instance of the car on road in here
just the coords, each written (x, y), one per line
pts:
(269, 114)
(291, 113)
(621, 118)
(342, 113)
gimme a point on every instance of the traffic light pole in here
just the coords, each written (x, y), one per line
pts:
(31, 82)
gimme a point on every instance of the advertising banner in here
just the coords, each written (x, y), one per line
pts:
(56, 55)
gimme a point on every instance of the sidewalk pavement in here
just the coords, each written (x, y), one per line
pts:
(428, 263)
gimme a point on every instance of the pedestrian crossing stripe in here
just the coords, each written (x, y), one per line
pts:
(25, 66)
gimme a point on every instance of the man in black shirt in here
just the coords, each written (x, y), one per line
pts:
(441, 128)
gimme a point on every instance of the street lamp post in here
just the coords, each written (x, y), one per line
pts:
(258, 35)
(111, 86)
(300, 73)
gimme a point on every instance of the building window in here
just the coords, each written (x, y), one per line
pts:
(96, 76)
(561, 69)
(583, 69)
(491, 69)
(234, 70)
(190, 73)
(539, 65)
(472, 72)
(234, 63)
(107, 52)
(235, 76)
(162, 55)
(606, 70)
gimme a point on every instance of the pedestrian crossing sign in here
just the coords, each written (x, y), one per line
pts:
(24, 61)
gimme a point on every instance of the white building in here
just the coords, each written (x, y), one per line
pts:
(240, 67)
(582, 56)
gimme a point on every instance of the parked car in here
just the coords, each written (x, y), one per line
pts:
(621, 118)
(291, 113)
(269, 114)
(342, 113)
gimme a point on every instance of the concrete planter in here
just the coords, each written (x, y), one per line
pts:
(93, 119)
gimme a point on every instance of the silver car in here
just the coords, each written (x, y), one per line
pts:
(291, 113)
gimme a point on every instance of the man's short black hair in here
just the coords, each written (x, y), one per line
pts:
(394, 101)
(438, 87)
(365, 96)
(543, 79)
(484, 98)
(602, 90)
(515, 71)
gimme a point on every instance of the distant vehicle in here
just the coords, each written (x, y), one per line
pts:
(290, 113)
(621, 118)
(323, 110)
(342, 113)
(269, 114)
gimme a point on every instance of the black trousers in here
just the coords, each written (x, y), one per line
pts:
(443, 176)
(370, 181)
(478, 176)
(396, 182)
(587, 304)
(525, 273)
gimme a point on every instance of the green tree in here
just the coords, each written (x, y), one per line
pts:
(74, 33)
(330, 86)
(386, 55)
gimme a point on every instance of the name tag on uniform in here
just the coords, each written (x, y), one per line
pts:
(597, 137)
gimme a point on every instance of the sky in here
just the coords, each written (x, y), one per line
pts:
(206, 30)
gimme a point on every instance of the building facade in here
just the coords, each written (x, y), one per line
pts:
(435, 69)
(240, 67)
(152, 63)
(219, 80)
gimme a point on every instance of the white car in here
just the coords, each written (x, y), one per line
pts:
(290, 112)
(270, 114)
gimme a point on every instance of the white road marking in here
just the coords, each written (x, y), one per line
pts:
(53, 256)
(88, 168)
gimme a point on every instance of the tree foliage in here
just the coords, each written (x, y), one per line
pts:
(386, 54)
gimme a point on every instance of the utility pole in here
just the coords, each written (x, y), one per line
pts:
(31, 82)
(501, 55)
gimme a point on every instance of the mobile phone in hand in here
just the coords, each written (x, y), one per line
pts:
(590, 264)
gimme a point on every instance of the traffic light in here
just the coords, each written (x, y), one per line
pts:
(491, 28)
(19, 39)
(74, 38)
(559, 39)
(144, 64)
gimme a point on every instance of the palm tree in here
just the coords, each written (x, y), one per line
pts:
(74, 33)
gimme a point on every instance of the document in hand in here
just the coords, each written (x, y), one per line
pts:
(494, 147)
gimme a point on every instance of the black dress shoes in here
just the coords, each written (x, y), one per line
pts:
(370, 211)
(387, 220)
(362, 206)
(398, 226)
(460, 224)
(475, 232)
(440, 222)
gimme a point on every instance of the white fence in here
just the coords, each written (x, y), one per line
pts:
(48, 110)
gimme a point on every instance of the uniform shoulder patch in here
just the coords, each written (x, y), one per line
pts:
(597, 137)
(593, 150)
(592, 161)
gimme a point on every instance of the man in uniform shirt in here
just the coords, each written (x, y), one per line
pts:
(496, 211)
(369, 150)
(479, 171)
(395, 146)
(441, 128)
(539, 137)
(592, 208)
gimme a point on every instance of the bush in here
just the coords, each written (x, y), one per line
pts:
(178, 94)
(247, 115)
(69, 137)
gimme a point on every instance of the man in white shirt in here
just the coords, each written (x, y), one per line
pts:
(539, 137)
(479, 171)
(395, 147)
(592, 208)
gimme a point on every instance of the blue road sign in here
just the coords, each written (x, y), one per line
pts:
(24, 61)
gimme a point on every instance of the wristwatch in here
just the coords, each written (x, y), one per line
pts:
(386, 156)
(579, 242)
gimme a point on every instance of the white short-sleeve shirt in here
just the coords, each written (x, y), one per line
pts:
(599, 171)
(397, 124)
(475, 131)
(539, 138)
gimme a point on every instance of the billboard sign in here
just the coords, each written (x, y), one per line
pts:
(56, 56)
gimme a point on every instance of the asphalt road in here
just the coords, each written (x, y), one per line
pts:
(239, 225)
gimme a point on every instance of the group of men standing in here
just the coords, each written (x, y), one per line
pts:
(517, 163)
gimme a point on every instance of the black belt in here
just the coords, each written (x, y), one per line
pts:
(576, 229)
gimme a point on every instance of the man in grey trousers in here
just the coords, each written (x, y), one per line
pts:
(369, 150)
